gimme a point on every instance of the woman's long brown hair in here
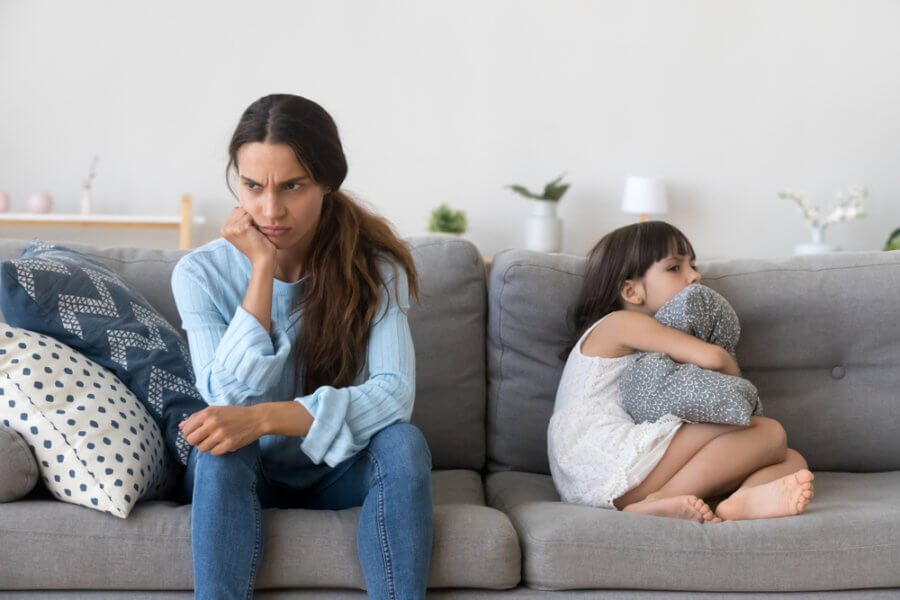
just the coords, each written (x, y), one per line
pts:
(622, 254)
(344, 284)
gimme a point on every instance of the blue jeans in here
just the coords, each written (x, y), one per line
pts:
(390, 479)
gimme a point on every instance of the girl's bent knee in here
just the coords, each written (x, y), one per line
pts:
(775, 436)
(796, 459)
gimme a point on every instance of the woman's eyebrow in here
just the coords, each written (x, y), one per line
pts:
(294, 180)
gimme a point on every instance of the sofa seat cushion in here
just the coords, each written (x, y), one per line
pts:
(474, 545)
(849, 537)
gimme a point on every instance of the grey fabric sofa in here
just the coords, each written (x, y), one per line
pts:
(821, 341)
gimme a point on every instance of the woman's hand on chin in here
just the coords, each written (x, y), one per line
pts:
(243, 233)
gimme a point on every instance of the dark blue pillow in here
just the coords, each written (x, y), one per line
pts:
(79, 301)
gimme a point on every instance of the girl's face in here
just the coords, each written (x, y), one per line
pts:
(662, 281)
(279, 194)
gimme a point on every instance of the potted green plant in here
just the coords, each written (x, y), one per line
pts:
(543, 230)
(446, 220)
(893, 242)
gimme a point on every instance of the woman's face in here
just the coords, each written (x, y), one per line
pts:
(279, 194)
(663, 280)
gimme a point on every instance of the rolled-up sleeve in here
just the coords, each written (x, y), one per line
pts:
(233, 359)
(345, 419)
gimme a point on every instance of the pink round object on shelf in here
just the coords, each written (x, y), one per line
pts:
(4, 202)
(40, 202)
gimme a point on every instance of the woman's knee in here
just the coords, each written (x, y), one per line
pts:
(401, 449)
(230, 464)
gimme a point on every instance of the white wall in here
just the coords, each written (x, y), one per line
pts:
(728, 101)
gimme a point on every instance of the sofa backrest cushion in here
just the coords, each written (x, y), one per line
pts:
(18, 469)
(448, 328)
(820, 339)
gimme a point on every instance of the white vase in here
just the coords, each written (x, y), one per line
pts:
(543, 229)
(818, 244)
(87, 206)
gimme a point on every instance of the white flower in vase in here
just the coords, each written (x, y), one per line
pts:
(849, 205)
(87, 205)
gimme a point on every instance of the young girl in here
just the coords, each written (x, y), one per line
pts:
(600, 457)
(298, 334)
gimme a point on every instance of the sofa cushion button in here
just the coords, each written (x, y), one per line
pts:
(838, 372)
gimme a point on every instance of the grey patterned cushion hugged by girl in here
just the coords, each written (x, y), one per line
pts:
(654, 385)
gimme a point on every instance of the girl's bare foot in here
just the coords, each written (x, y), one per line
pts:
(783, 497)
(691, 508)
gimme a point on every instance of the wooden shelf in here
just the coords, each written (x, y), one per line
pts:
(181, 223)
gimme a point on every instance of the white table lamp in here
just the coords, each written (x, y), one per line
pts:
(644, 196)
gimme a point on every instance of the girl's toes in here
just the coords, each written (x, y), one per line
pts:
(804, 476)
(699, 508)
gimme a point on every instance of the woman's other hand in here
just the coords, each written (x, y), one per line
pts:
(221, 429)
(242, 232)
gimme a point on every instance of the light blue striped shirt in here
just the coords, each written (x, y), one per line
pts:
(237, 362)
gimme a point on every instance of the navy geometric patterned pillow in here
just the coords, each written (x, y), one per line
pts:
(79, 301)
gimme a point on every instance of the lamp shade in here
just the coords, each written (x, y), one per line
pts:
(644, 195)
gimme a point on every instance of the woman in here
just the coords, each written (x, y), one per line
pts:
(287, 315)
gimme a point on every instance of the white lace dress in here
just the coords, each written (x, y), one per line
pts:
(596, 452)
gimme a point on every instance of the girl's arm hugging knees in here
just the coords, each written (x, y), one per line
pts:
(634, 331)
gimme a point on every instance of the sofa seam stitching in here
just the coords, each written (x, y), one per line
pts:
(497, 404)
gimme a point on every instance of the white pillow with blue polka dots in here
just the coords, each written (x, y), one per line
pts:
(95, 443)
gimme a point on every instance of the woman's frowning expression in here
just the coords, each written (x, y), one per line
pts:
(279, 194)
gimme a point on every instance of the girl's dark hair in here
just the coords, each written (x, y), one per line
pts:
(344, 282)
(625, 253)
